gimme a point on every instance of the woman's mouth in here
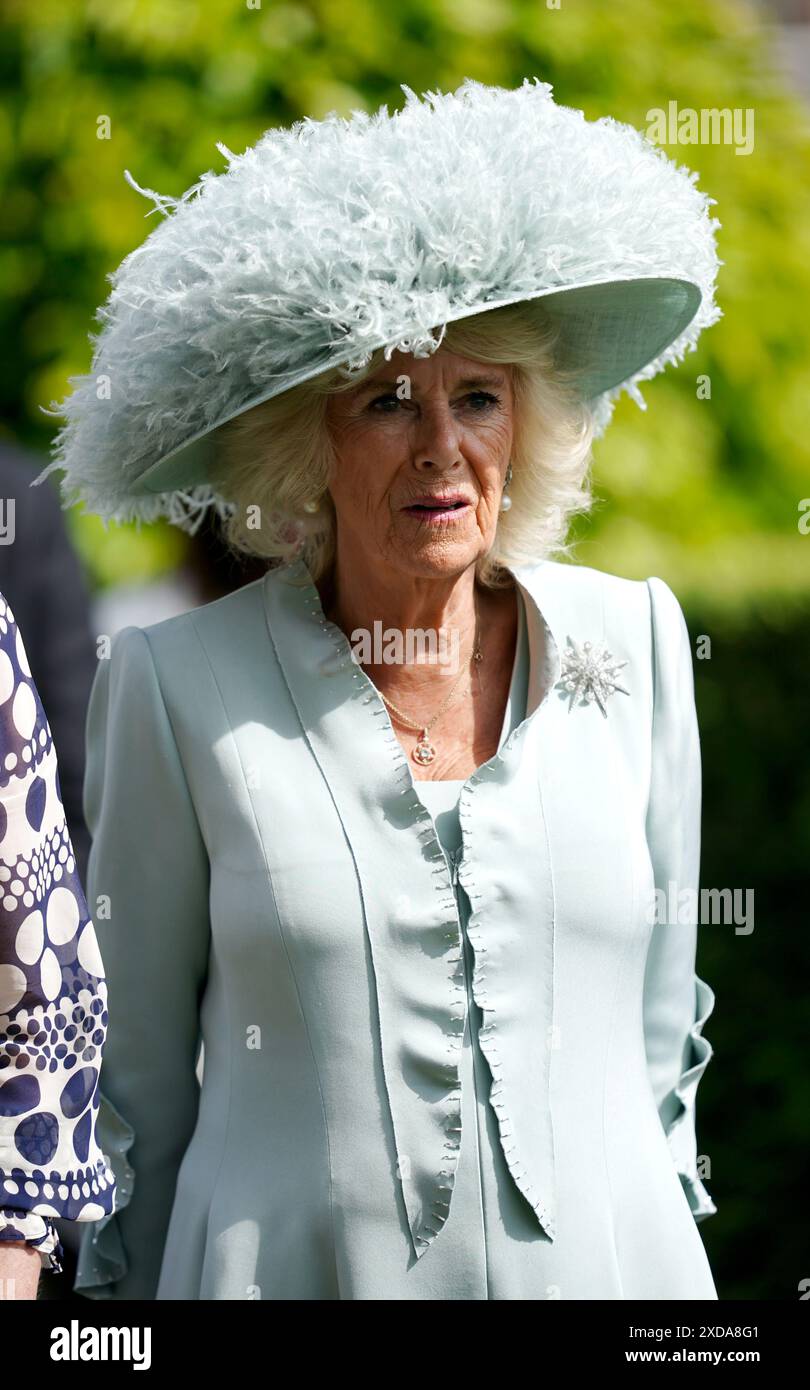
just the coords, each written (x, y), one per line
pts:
(439, 512)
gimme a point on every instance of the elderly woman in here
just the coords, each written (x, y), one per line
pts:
(385, 829)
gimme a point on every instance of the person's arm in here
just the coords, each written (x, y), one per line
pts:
(148, 886)
(676, 1001)
(19, 1270)
(52, 994)
(64, 651)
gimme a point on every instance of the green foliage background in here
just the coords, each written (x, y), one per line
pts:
(705, 493)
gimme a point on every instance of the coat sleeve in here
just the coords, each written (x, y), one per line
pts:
(677, 1002)
(148, 882)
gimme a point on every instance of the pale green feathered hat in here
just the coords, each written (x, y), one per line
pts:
(330, 239)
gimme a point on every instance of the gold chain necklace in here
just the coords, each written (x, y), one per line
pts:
(424, 752)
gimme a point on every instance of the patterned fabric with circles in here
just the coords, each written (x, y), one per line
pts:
(53, 998)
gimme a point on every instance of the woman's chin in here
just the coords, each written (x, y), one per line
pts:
(437, 558)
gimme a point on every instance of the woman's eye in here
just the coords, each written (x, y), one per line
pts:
(480, 400)
(387, 397)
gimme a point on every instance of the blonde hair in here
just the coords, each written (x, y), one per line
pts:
(279, 455)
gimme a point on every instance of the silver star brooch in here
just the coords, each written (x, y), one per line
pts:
(589, 670)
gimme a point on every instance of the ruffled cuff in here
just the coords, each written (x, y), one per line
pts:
(681, 1131)
(39, 1231)
(102, 1259)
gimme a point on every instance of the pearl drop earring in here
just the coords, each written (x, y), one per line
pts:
(313, 505)
(506, 501)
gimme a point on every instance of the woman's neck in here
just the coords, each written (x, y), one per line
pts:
(406, 634)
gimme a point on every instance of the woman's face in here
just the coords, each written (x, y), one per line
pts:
(421, 428)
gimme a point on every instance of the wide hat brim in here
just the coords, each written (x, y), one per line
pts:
(607, 332)
(331, 239)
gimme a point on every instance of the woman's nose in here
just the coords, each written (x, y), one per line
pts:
(437, 437)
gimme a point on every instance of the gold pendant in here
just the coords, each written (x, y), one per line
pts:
(424, 752)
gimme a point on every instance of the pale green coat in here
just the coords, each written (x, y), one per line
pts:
(377, 1120)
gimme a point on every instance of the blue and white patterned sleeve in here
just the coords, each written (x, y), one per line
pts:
(53, 998)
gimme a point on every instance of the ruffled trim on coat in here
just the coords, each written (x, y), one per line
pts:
(102, 1258)
(680, 1132)
(525, 1131)
(418, 950)
(418, 966)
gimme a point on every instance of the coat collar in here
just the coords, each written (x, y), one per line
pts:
(535, 583)
(415, 932)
